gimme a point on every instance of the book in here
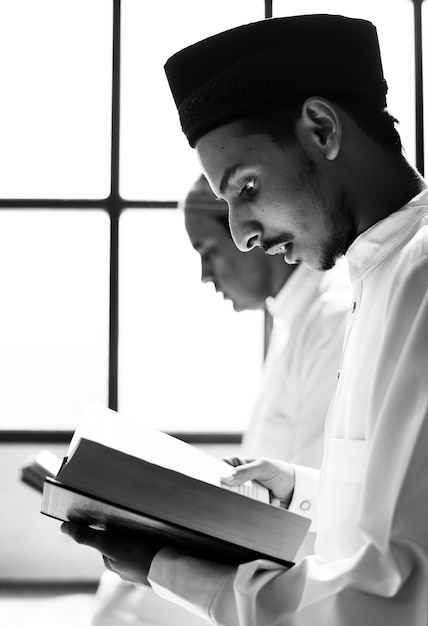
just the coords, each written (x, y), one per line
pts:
(119, 473)
(40, 466)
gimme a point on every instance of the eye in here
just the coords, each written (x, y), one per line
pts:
(207, 255)
(250, 188)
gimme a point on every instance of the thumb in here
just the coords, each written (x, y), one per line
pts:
(240, 474)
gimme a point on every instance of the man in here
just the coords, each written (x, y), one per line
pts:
(289, 122)
(308, 310)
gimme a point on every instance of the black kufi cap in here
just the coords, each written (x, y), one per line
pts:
(224, 77)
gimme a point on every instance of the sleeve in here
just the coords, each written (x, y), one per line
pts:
(305, 494)
(194, 584)
(386, 580)
(300, 374)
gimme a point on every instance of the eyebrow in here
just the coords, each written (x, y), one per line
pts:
(228, 174)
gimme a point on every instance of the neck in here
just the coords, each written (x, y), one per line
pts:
(388, 183)
(378, 181)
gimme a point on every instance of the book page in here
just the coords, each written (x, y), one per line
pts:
(47, 462)
(250, 489)
(129, 435)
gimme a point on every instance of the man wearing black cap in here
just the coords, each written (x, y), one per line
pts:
(308, 310)
(289, 123)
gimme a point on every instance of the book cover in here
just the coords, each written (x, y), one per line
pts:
(151, 480)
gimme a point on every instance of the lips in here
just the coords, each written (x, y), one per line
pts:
(220, 291)
(280, 248)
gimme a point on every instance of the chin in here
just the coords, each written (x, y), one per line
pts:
(237, 307)
(240, 305)
(320, 262)
(248, 305)
(312, 264)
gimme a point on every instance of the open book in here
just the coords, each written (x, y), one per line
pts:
(120, 473)
(38, 467)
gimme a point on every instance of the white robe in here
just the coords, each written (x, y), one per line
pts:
(287, 422)
(371, 562)
(299, 373)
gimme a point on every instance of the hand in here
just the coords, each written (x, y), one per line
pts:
(127, 554)
(277, 476)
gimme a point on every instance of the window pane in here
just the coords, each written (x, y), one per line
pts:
(394, 23)
(54, 282)
(32, 546)
(56, 98)
(187, 361)
(157, 162)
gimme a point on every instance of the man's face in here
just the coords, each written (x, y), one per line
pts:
(277, 198)
(242, 278)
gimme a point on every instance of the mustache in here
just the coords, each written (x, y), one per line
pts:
(268, 244)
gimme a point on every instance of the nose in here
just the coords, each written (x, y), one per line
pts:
(246, 235)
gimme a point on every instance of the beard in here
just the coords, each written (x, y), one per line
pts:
(342, 230)
(338, 215)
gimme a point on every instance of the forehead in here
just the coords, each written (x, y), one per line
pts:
(220, 144)
(203, 228)
(228, 148)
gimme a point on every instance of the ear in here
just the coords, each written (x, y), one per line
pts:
(322, 126)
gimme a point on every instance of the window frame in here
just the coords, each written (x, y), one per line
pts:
(114, 204)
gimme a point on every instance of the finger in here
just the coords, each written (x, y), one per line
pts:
(108, 563)
(87, 536)
(232, 460)
(242, 473)
(235, 461)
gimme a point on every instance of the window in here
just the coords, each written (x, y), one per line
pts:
(89, 284)
(101, 298)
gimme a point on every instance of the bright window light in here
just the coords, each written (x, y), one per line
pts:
(187, 361)
(156, 160)
(55, 122)
(54, 316)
